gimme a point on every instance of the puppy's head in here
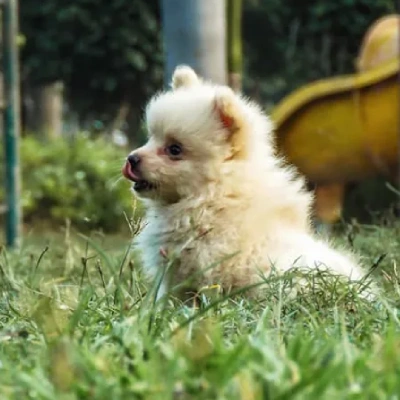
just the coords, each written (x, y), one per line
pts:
(194, 131)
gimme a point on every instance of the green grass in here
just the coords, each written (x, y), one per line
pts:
(77, 322)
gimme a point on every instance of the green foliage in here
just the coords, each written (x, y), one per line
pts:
(75, 178)
(109, 52)
(106, 52)
(289, 43)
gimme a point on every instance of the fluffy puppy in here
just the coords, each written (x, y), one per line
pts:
(218, 199)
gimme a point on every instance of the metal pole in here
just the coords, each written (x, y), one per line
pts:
(11, 122)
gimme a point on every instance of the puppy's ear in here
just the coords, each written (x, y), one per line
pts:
(229, 112)
(184, 76)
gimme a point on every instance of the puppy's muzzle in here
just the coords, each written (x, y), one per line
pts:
(131, 171)
(131, 168)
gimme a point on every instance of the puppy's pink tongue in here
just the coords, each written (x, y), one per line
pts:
(128, 173)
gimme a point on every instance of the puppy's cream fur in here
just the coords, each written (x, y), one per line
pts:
(227, 206)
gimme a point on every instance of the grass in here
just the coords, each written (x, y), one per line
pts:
(77, 322)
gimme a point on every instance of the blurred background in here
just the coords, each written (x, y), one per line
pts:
(87, 68)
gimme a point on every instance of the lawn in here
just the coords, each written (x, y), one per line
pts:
(78, 322)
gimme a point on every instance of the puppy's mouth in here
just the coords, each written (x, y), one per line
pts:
(140, 184)
(143, 185)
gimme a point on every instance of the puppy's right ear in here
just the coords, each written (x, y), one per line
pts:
(184, 76)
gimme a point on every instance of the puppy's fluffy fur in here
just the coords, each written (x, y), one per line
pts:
(225, 205)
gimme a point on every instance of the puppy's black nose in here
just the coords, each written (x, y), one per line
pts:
(134, 160)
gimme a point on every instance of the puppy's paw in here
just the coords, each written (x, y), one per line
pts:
(184, 76)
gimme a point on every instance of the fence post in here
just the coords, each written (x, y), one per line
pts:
(11, 122)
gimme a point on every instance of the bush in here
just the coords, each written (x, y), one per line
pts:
(76, 178)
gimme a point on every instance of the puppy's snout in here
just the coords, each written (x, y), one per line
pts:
(131, 167)
(134, 160)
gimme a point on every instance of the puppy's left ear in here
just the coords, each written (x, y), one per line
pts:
(229, 113)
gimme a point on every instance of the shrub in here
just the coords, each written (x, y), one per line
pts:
(76, 178)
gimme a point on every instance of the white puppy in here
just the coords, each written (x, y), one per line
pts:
(218, 199)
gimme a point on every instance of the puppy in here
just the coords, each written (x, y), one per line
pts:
(219, 201)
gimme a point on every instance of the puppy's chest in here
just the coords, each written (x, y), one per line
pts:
(185, 238)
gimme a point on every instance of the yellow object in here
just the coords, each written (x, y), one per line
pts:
(380, 44)
(342, 129)
(328, 201)
(346, 129)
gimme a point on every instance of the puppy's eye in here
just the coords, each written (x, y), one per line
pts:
(174, 150)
